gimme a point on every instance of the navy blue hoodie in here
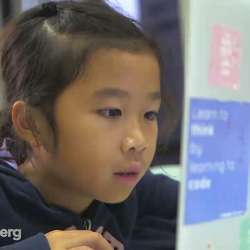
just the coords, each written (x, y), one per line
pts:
(144, 221)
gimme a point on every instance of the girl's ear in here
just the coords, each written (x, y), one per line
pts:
(30, 125)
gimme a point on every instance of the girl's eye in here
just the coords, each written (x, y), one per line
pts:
(152, 115)
(110, 113)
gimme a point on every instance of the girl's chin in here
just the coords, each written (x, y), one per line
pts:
(116, 198)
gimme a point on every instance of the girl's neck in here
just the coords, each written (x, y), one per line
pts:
(54, 192)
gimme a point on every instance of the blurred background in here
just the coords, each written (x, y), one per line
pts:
(161, 19)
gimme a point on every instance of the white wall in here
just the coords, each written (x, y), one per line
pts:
(127, 7)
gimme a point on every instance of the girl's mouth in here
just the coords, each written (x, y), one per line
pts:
(131, 175)
(129, 178)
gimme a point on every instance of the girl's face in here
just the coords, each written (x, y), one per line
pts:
(107, 124)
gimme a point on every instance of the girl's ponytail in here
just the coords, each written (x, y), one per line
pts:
(5, 138)
(10, 147)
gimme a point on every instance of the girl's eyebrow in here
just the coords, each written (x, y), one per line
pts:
(116, 92)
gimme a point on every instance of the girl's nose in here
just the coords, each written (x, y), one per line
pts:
(135, 142)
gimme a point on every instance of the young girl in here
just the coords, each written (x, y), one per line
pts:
(83, 92)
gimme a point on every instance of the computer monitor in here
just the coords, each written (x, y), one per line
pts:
(214, 205)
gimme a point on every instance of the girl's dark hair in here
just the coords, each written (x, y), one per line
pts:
(47, 47)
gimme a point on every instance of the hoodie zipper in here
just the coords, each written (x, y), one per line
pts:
(86, 225)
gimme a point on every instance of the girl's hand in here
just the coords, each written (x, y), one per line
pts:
(72, 239)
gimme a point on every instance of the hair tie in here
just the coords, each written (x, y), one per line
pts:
(49, 9)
